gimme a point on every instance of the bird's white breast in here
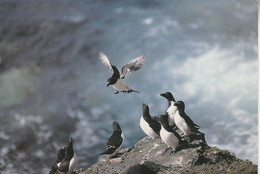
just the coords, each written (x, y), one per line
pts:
(73, 164)
(147, 129)
(120, 85)
(169, 138)
(181, 123)
(171, 111)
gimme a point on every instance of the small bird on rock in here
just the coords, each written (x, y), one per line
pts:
(171, 138)
(114, 142)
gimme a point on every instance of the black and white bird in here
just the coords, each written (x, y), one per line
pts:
(116, 81)
(171, 138)
(114, 142)
(149, 125)
(172, 109)
(183, 121)
(70, 160)
(60, 156)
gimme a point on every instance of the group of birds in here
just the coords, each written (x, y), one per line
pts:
(163, 126)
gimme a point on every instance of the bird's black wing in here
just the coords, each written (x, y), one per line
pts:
(114, 141)
(155, 125)
(64, 167)
(191, 124)
(61, 154)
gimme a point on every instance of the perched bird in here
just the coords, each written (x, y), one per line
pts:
(148, 124)
(171, 107)
(171, 138)
(60, 155)
(116, 81)
(70, 161)
(115, 141)
(183, 121)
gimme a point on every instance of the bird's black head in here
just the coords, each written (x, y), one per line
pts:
(70, 150)
(145, 109)
(116, 126)
(180, 105)
(168, 96)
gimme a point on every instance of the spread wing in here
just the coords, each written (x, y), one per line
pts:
(132, 66)
(105, 61)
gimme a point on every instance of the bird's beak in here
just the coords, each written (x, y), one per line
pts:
(108, 84)
(162, 94)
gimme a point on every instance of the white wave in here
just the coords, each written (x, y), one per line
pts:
(222, 78)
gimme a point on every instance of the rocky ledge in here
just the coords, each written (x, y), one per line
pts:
(149, 156)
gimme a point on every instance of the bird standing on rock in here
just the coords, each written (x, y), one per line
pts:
(116, 81)
(171, 138)
(148, 124)
(171, 107)
(70, 160)
(115, 141)
(183, 121)
(67, 160)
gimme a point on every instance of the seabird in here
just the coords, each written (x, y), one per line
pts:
(114, 142)
(171, 107)
(148, 124)
(116, 81)
(60, 156)
(70, 160)
(183, 121)
(171, 138)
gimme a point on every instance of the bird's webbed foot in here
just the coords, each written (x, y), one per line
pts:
(165, 150)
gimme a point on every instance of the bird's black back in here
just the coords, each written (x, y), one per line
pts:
(116, 73)
(113, 142)
(154, 124)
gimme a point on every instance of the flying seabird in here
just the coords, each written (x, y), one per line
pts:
(115, 141)
(171, 138)
(171, 107)
(116, 81)
(148, 124)
(183, 121)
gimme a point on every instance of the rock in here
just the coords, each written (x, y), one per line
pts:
(195, 157)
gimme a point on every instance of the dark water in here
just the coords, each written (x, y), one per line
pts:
(52, 85)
